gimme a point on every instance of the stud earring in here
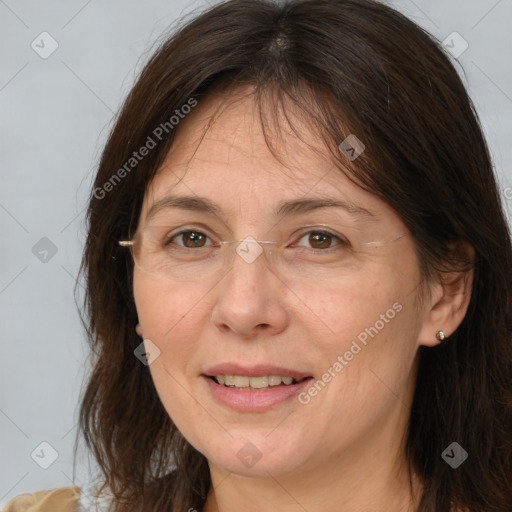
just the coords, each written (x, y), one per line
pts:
(440, 336)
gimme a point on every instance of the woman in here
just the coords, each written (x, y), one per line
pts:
(299, 274)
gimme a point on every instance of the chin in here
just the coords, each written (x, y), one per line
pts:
(258, 457)
(275, 465)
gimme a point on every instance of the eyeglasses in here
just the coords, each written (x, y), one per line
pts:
(200, 256)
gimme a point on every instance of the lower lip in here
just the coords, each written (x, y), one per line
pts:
(254, 401)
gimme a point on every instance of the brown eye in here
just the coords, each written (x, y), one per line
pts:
(320, 240)
(190, 239)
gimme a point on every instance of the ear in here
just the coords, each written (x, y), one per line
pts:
(449, 300)
(138, 330)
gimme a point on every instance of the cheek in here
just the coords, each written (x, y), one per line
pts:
(358, 305)
(364, 373)
(162, 307)
(169, 315)
(367, 337)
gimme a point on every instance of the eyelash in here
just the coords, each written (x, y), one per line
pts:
(341, 242)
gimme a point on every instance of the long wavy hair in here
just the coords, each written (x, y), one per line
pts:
(348, 67)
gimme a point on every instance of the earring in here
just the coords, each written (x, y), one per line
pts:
(440, 336)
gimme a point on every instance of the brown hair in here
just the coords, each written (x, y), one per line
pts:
(394, 88)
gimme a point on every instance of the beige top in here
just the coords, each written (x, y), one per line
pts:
(65, 499)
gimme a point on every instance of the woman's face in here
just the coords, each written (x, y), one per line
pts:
(347, 321)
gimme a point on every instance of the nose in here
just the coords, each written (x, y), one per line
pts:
(250, 297)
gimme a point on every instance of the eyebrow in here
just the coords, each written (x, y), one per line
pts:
(283, 209)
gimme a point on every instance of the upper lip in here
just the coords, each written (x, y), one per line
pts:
(254, 371)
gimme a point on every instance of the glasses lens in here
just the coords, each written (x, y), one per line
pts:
(192, 255)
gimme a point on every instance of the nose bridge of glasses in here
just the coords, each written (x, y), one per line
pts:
(249, 249)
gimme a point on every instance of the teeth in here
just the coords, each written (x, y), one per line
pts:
(242, 381)
(258, 382)
(274, 380)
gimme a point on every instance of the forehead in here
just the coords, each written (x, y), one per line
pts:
(224, 134)
(220, 151)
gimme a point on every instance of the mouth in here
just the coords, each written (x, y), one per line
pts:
(256, 388)
(261, 383)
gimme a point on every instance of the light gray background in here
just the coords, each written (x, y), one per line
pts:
(55, 116)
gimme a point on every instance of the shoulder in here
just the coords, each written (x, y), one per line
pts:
(65, 499)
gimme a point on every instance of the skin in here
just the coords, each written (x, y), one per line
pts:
(344, 449)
